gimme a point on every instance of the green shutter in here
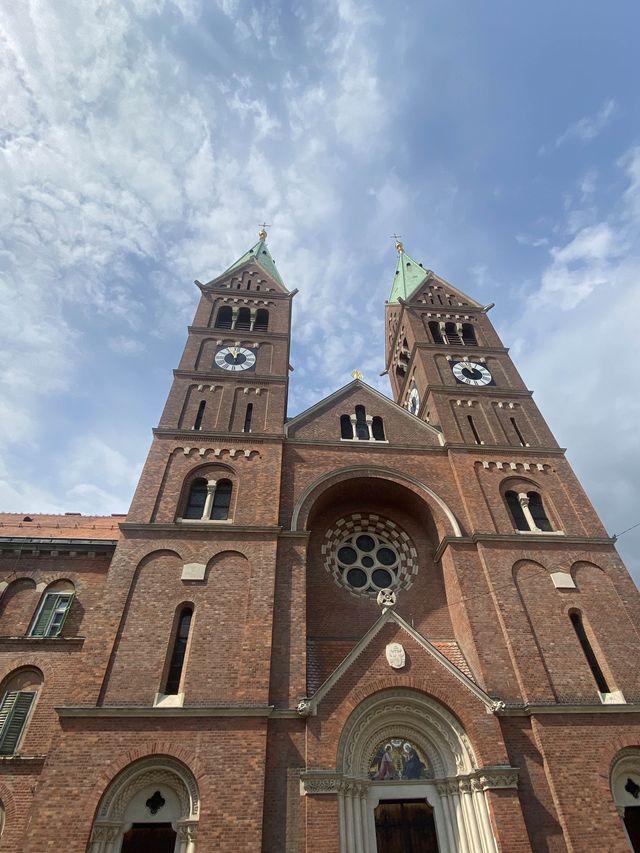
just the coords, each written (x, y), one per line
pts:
(13, 715)
(39, 628)
(66, 613)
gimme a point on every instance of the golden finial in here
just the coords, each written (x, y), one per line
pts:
(357, 374)
(399, 244)
(262, 234)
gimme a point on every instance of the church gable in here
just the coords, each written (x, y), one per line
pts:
(436, 292)
(359, 413)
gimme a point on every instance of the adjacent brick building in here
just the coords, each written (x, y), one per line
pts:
(376, 626)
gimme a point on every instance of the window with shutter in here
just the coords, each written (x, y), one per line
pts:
(52, 614)
(13, 716)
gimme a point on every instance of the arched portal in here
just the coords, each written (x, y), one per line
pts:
(151, 807)
(406, 751)
(625, 787)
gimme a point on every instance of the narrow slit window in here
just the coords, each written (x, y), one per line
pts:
(474, 430)
(346, 427)
(248, 415)
(198, 421)
(377, 428)
(176, 665)
(517, 514)
(518, 433)
(221, 500)
(196, 499)
(362, 427)
(538, 514)
(592, 660)
(51, 615)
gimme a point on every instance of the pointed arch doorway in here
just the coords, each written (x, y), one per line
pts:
(149, 838)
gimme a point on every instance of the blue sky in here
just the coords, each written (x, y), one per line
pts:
(142, 141)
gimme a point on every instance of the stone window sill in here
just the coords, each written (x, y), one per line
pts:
(365, 440)
(50, 642)
(204, 521)
(541, 532)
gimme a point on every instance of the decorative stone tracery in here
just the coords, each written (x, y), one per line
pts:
(455, 786)
(124, 803)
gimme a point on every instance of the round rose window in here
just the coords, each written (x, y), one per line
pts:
(366, 553)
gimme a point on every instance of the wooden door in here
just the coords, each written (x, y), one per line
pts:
(632, 824)
(405, 826)
(149, 838)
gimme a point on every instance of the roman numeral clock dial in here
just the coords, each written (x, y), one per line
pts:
(471, 373)
(235, 358)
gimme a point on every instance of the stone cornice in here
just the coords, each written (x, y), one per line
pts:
(196, 437)
(366, 445)
(202, 376)
(21, 760)
(447, 349)
(85, 546)
(158, 712)
(487, 390)
(569, 708)
(231, 333)
(522, 540)
(201, 527)
(542, 450)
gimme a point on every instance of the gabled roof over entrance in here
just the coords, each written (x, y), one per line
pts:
(310, 705)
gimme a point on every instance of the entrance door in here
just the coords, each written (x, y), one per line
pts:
(149, 838)
(632, 825)
(405, 826)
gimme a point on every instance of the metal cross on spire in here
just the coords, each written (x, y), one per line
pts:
(262, 234)
(399, 245)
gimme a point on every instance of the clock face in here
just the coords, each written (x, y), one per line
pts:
(235, 358)
(471, 373)
(413, 403)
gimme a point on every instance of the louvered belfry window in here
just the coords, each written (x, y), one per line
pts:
(14, 711)
(52, 614)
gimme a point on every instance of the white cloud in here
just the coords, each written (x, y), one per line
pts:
(586, 128)
(577, 344)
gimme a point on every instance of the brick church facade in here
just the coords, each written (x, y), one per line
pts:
(376, 627)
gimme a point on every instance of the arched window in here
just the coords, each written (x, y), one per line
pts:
(176, 663)
(537, 511)
(625, 787)
(262, 320)
(247, 418)
(198, 421)
(377, 428)
(434, 328)
(527, 511)
(53, 610)
(468, 335)
(362, 427)
(18, 698)
(244, 319)
(221, 500)
(197, 499)
(224, 317)
(590, 655)
(515, 508)
(346, 427)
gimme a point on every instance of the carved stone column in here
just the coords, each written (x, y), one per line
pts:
(208, 504)
(103, 837)
(523, 499)
(187, 831)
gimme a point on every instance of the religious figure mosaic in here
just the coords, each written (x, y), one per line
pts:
(398, 758)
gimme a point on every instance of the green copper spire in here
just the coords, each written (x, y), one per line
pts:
(408, 277)
(259, 253)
